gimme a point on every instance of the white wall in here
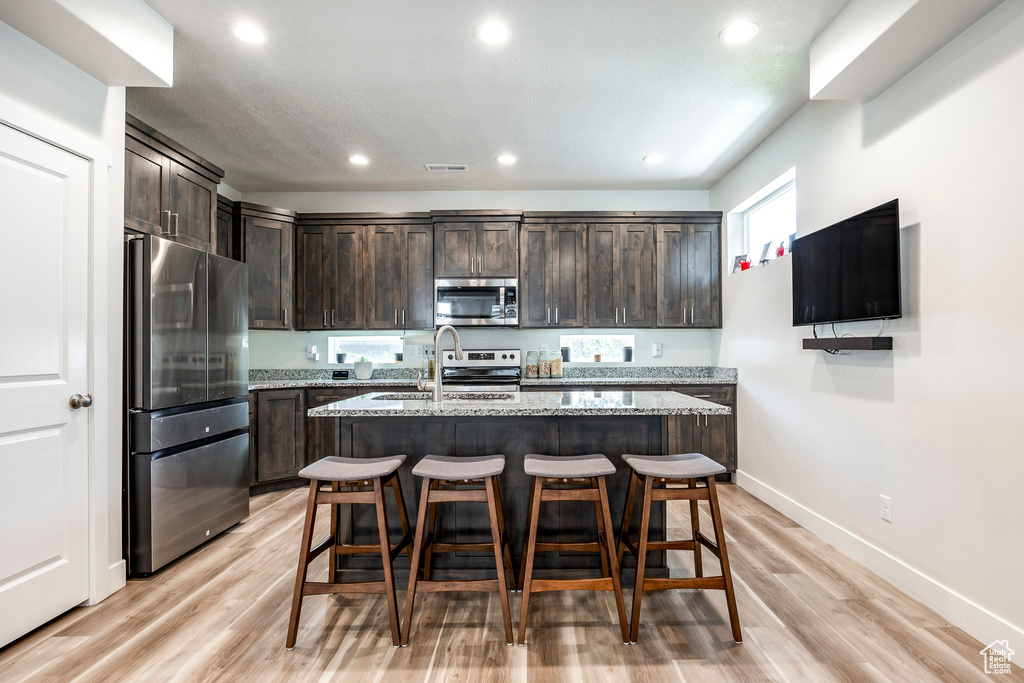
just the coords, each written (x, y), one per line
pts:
(48, 94)
(275, 349)
(935, 423)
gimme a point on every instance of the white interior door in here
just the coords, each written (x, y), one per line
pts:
(44, 467)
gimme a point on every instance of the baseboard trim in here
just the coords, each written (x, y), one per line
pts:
(959, 610)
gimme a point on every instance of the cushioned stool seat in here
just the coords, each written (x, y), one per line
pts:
(679, 466)
(447, 467)
(333, 468)
(568, 467)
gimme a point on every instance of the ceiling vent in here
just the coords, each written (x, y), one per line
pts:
(446, 167)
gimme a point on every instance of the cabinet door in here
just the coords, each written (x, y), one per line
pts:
(673, 273)
(637, 276)
(344, 278)
(193, 207)
(497, 249)
(311, 289)
(715, 435)
(384, 286)
(220, 242)
(455, 254)
(567, 288)
(535, 272)
(418, 274)
(322, 432)
(146, 189)
(704, 283)
(603, 260)
(281, 444)
(268, 252)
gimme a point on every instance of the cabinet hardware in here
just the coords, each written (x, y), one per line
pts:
(623, 315)
(691, 315)
(175, 217)
(285, 316)
(556, 315)
(78, 401)
(702, 395)
(167, 230)
(705, 420)
(480, 265)
(616, 316)
(472, 266)
(332, 317)
(325, 317)
(684, 316)
(403, 317)
(549, 315)
(396, 317)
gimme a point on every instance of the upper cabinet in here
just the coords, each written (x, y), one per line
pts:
(620, 275)
(476, 244)
(265, 240)
(552, 274)
(220, 244)
(169, 190)
(689, 273)
(399, 278)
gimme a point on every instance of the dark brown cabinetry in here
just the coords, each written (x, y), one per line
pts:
(329, 257)
(399, 278)
(689, 274)
(482, 244)
(169, 190)
(620, 275)
(322, 433)
(265, 241)
(280, 450)
(220, 243)
(552, 275)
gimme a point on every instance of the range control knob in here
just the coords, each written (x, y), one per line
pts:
(512, 356)
(504, 356)
(450, 356)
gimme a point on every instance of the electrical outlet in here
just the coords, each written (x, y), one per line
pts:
(887, 508)
(656, 350)
(311, 353)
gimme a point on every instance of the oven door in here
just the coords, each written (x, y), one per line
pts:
(470, 302)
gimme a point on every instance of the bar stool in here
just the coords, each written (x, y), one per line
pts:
(689, 468)
(441, 475)
(578, 477)
(366, 478)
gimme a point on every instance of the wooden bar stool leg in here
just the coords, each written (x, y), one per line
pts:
(600, 531)
(641, 558)
(396, 486)
(698, 565)
(417, 557)
(605, 534)
(531, 546)
(300, 574)
(385, 554)
(332, 570)
(526, 533)
(627, 512)
(432, 531)
(506, 543)
(492, 509)
(730, 595)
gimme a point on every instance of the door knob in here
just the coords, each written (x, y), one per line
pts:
(78, 401)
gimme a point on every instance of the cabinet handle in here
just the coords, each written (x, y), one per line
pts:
(403, 317)
(166, 230)
(396, 317)
(684, 316)
(691, 315)
(549, 315)
(285, 310)
(616, 316)
(702, 395)
(472, 266)
(175, 217)
(705, 420)
(623, 315)
(556, 315)
(332, 317)
(480, 265)
(325, 317)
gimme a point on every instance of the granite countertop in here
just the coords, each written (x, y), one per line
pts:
(258, 385)
(533, 403)
(621, 381)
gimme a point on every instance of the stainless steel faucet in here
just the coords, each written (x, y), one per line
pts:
(435, 386)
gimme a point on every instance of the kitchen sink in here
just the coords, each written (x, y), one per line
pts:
(453, 396)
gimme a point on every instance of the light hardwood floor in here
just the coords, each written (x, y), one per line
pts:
(808, 614)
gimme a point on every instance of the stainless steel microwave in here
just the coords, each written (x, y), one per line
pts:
(465, 302)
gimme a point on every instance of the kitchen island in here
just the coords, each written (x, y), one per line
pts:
(551, 423)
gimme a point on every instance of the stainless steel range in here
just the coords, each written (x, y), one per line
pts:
(494, 370)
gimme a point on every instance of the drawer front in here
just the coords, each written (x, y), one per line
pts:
(321, 397)
(716, 393)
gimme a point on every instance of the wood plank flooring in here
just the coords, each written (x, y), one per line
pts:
(808, 614)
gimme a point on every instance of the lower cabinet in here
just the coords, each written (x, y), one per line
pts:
(322, 433)
(280, 450)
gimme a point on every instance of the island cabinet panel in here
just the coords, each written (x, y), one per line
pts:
(481, 244)
(552, 275)
(322, 435)
(265, 240)
(281, 434)
(169, 190)
(689, 275)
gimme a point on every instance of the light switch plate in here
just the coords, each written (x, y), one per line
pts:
(656, 350)
(886, 508)
(311, 353)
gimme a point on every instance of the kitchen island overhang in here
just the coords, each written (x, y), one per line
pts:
(550, 423)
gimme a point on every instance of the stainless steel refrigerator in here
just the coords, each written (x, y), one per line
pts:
(187, 425)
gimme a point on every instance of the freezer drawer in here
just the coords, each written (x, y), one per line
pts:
(151, 432)
(180, 499)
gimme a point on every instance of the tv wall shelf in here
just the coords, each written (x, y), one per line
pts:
(849, 343)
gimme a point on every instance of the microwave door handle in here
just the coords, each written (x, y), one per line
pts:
(501, 300)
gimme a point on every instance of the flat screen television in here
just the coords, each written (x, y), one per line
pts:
(849, 271)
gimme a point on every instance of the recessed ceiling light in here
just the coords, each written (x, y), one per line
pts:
(359, 160)
(507, 159)
(655, 158)
(492, 32)
(738, 32)
(250, 33)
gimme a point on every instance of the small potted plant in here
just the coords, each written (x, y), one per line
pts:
(364, 368)
(341, 356)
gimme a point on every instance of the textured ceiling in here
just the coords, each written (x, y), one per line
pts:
(581, 92)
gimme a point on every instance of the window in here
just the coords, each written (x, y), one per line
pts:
(772, 219)
(583, 348)
(376, 349)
